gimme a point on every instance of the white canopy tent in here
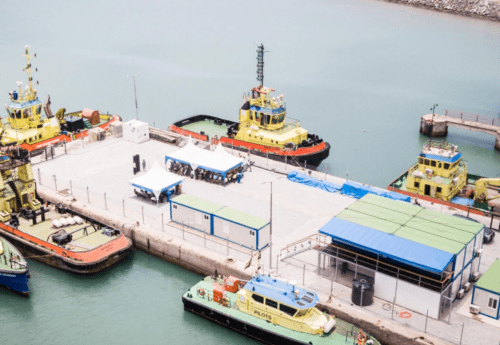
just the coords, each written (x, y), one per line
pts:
(156, 180)
(219, 161)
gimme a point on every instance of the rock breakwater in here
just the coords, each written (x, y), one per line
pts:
(488, 9)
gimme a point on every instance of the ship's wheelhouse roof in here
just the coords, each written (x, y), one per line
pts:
(268, 111)
(282, 292)
(22, 105)
(451, 158)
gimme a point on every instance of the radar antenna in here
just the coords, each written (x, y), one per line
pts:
(260, 64)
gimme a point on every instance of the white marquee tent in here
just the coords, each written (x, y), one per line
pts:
(219, 161)
(156, 180)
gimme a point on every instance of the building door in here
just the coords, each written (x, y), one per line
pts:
(427, 190)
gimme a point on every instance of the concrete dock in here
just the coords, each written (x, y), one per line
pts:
(93, 179)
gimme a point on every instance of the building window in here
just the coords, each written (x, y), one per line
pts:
(492, 303)
(206, 217)
(446, 166)
(271, 303)
(252, 233)
(433, 163)
(258, 298)
(175, 206)
(416, 184)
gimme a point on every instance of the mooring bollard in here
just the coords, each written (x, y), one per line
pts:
(105, 202)
(88, 196)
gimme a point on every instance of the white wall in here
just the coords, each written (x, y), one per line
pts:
(479, 240)
(481, 299)
(409, 296)
(466, 274)
(459, 263)
(470, 252)
(193, 218)
(136, 131)
(264, 236)
(475, 265)
(235, 233)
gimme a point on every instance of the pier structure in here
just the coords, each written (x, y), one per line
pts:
(93, 179)
(436, 125)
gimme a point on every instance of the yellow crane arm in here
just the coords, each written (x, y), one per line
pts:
(481, 193)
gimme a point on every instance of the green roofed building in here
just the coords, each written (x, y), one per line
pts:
(486, 292)
(233, 225)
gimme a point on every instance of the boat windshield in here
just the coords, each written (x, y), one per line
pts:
(302, 312)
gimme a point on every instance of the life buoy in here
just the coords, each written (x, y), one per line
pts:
(362, 338)
(64, 254)
(405, 315)
(290, 146)
(201, 292)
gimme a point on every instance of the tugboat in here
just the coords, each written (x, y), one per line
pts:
(441, 175)
(262, 129)
(26, 126)
(54, 235)
(269, 310)
(13, 269)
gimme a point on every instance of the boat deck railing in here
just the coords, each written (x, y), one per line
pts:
(287, 127)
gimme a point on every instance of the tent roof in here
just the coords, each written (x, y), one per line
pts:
(400, 249)
(242, 218)
(490, 280)
(156, 180)
(197, 203)
(218, 161)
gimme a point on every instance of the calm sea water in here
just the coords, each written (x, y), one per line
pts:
(359, 73)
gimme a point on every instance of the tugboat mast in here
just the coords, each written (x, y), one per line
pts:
(30, 93)
(260, 64)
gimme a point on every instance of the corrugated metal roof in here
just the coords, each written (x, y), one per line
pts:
(490, 280)
(242, 218)
(197, 203)
(369, 221)
(395, 205)
(448, 220)
(381, 212)
(397, 248)
(430, 240)
(441, 230)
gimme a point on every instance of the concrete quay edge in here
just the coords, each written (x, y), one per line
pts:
(205, 262)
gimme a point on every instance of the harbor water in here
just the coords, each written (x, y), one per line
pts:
(358, 73)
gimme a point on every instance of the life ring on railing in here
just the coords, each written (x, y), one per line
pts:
(201, 292)
(290, 146)
(362, 338)
(405, 315)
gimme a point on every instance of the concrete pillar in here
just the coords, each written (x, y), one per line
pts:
(435, 126)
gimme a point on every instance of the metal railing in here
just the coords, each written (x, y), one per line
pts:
(485, 120)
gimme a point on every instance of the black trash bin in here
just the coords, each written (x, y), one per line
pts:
(362, 292)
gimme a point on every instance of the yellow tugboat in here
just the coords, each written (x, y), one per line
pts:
(441, 175)
(263, 128)
(25, 124)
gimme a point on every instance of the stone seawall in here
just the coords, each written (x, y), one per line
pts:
(487, 9)
(202, 261)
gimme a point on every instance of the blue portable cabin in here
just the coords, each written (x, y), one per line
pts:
(486, 292)
(194, 212)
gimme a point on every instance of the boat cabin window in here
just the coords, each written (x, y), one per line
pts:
(416, 184)
(420, 161)
(438, 190)
(39, 110)
(26, 113)
(257, 116)
(271, 303)
(426, 161)
(258, 298)
(275, 120)
(446, 166)
(251, 115)
(302, 312)
(287, 310)
(433, 163)
(440, 165)
(282, 116)
(18, 114)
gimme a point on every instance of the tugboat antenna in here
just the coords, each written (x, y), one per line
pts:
(260, 64)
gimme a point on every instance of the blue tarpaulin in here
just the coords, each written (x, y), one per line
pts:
(396, 248)
(462, 201)
(314, 182)
(358, 191)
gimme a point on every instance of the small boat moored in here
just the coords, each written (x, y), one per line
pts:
(271, 311)
(14, 271)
